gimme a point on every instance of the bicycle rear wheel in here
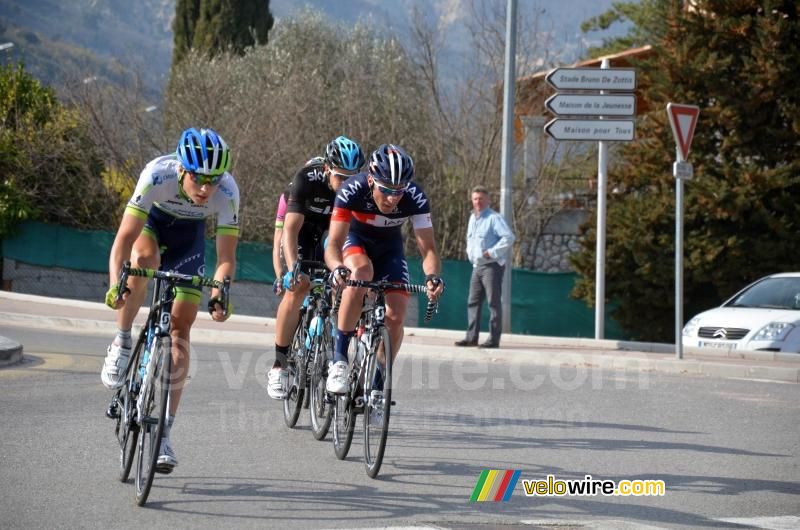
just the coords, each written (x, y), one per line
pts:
(127, 430)
(377, 407)
(344, 425)
(295, 390)
(155, 395)
(321, 412)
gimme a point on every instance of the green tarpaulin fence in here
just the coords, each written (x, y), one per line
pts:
(540, 302)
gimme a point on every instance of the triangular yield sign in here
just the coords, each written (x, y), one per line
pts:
(683, 119)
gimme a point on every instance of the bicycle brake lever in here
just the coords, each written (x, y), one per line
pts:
(226, 292)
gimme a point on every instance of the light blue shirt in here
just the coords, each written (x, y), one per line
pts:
(488, 231)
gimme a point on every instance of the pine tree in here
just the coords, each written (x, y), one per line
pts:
(213, 26)
(183, 26)
(739, 61)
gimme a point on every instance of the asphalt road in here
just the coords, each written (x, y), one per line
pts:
(727, 450)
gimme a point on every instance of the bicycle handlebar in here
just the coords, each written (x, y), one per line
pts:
(224, 286)
(383, 285)
(315, 268)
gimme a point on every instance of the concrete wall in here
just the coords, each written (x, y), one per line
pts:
(248, 298)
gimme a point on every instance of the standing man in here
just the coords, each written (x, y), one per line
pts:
(489, 240)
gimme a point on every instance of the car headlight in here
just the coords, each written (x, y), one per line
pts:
(690, 327)
(774, 331)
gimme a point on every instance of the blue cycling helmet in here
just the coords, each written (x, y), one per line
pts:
(204, 152)
(391, 165)
(344, 153)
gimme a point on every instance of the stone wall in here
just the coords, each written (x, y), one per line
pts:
(559, 239)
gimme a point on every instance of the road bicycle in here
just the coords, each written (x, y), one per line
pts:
(140, 406)
(308, 353)
(370, 347)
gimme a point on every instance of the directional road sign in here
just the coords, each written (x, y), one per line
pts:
(592, 104)
(590, 130)
(683, 119)
(593, 79)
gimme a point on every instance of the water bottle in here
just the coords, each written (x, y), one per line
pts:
(313, 330)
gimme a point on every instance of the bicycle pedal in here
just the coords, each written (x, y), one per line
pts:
(164, 470)
(112, 412)
(393, 403)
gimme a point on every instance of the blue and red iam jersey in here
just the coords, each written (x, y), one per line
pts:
(354, 204)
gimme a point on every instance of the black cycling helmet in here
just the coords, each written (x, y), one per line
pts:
(344, 153)
(391, 165)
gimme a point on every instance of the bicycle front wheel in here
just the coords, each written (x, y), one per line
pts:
(321, 411)
(295, 389)
(127, 429)
(155, 396)
(377, 403)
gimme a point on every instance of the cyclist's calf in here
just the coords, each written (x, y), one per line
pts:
(396, 308)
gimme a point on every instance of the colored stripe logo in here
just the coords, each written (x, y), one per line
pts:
(495, 485)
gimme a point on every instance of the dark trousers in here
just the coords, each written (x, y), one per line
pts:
(486, 283)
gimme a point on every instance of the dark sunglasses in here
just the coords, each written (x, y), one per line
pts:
(390, 191)
(202, 180)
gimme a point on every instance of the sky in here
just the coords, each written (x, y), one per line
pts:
(561, 19)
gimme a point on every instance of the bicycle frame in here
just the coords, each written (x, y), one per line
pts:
(151, 362)
(158, 324)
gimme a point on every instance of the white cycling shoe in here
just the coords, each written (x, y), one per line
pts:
(277, 382)
(376, 401)
(337, 378)
(113, 372)
(166, 457)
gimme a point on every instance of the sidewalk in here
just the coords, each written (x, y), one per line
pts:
(96, 319)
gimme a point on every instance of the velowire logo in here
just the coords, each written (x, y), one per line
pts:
(495, 485)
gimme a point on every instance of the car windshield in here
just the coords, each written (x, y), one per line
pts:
(772, 293)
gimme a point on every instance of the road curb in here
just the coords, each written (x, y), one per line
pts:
(531, 340)
(10, 351)
(578, 352)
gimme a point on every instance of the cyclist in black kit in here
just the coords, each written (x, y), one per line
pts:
(309, 202)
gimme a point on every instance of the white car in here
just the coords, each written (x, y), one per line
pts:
(765, 315)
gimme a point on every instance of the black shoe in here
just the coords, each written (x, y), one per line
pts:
(489, 344)
(466, 342)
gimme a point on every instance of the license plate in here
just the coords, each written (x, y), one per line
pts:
(716, 344)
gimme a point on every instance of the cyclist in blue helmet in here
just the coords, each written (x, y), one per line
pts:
(163, 227)
(309, 202)
(366, 242)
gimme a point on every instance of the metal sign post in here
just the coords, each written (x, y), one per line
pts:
(602, 105)
(682, 119)
(506, 163)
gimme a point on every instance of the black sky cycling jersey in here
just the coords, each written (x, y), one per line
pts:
(309, 194)
(354, 204)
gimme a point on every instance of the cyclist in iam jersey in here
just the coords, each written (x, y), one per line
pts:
(163, 227)
(365, 242)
